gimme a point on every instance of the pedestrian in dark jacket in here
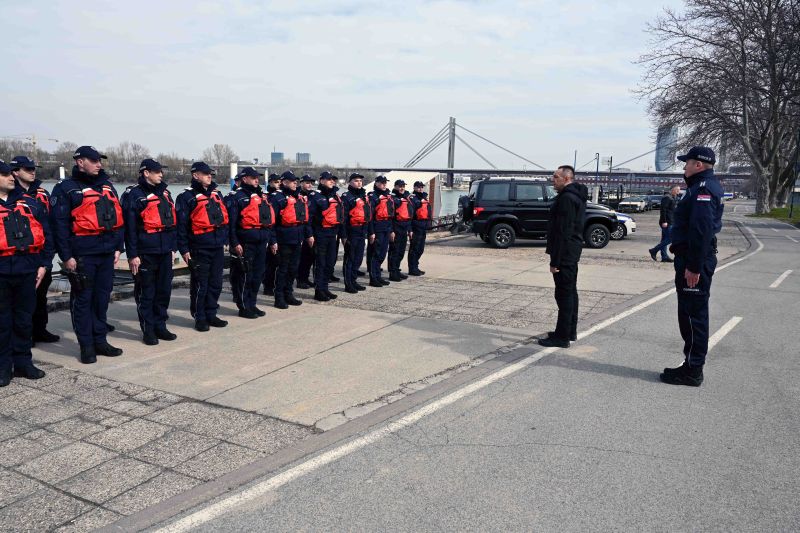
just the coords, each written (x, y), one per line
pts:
(665, 221)
(564, 245)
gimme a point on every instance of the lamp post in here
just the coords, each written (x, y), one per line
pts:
(597, 168)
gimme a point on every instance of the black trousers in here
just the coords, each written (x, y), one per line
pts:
(566, 294)
(205, 284)
(270, 271)
(325, 255)
(152, 289)
(288, 260)
(307, 256)
(17, 302)
(89, 305)
(247, 281)
(693, 318)
(376, 254)
(40, 316)
(416, 249)
(353, 255)
(397, 250)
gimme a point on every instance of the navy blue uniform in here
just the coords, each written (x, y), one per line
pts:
(254, 242)
(205, 244)
(290, 234)
(382, 227)
(18, 267)
(271, 268)
(404, 213)
(307, 252)
(326, 235)
(94, 253)
(235, 265)
(358, 226)
(419, 225)
(697, 220)
(151, 235)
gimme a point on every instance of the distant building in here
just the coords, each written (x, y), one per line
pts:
(666, 148)
(276, 158)
(303, 158)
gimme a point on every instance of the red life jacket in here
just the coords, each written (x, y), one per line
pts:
(40, 195)
(159, 214)
(258, 213)
(361, 212)
(385, 208)
(424, 210)
(20, 232)
(98, 212)
(209, 213)
(403, 213)
(295, 212)
(334, 214)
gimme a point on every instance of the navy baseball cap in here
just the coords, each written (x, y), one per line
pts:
(326, 176)
(249, 172)
(355, 176)
(381, 179)
(289, 176)
(308, 178)
(4, 168)
(418, 184)
(399, 183)
(21, 161)
(201, 166)
(151, 164)
(699, 153)
(274, 177)
(89, 152)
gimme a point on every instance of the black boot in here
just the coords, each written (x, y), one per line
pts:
(330, 295)
(259, 312)
(653, 253)
(291, 300)
(5, 377)
(402, 276)
(45, 336)
(360, 274)
(106, 349)
(554, 342)
(28, 371)
(395, 276)
(334, 278)
(304, 284)
(691, 376)
(351, 290)
(247, 313)
(201, 325)
(359, 287)
(280, 304)
(384, 282)
(416, 272)
(320, 296)
(375, 283)
(149, 338)
(165, 335)
(677, 369)
(573, 337)
(88, 355)
(216, 322)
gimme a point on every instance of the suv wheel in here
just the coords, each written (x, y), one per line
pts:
(620, 232)
(596, 236)
(501, 235)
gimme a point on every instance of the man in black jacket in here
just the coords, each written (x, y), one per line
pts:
(564, 245)
(665, 221)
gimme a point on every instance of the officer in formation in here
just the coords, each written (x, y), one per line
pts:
(151, 238)
(202, 236)
(306, 250)
(251, 232)
(292, 228)
(24, 171)
(383, 212)
(404, 213)
(327, 216)
(696, 221)
(87, 220)
(419, 226)
(357, 227)
(273, 182)
(26, 252)
(236, 262)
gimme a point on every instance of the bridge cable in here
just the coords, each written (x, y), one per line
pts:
(431, 141)
(427, 152)
(502, 148)
(475, 151)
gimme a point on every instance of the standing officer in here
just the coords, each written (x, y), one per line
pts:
(251, 222)
(236, 262)
(26, 252)
(564, 245)
(292, 228)
(151, 238)
(419, 225)
(665, 221)
(404, 213)
(306, 250)
(697, 220)
(273, 182)
(383, 208)
(86, 219)
(327, 215)
(24, 171)
(357, 227)
(202, 236)
(331, 275)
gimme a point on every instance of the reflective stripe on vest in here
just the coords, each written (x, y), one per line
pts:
(295, 212)
(334, 213)
(98, 212)
(159, 214)
(209, 213)
(385, 208)
(258, 213)
(20, 232)
(403, 213)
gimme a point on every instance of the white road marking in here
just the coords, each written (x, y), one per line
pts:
(724, 330)
(791, 238)
(774, 229)
(780, 279)
(221, 507)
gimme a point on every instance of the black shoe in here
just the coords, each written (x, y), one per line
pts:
(291, 300)
(88, 355)
(653, 253)
(330, 295)
(216, 322)
(383, 281)
(110, 328)
(395, 277)
(677, 369)
(45, 336)
(552, 334)
(201, 325)
(691, 376)
(280, 304)
(165, 335)
(29, 372)
(351, 290)
(554, 342)
(304, 284)
(149, 338)
(107, 350)
(247, 313)
(259, 312)
(269, 292)
(360, 274)
(334, 278)
(416, 273)
(403, 276)
(5, 377)
(375, 283)
(360, 287)
(667, 260)
(320, 296)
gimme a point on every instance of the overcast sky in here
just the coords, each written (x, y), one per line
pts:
(348, 81)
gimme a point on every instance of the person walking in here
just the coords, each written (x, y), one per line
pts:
(665, 221)
(697, 220)
(564, 246)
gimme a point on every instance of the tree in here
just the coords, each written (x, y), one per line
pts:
(728, 71)
(124, 159)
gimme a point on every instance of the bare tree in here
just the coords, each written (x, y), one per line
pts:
(728, 71)
(124, 159)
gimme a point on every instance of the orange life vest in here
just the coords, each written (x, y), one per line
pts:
(209, 213)
(334, 214)
(424, 210)
(99, 212)
(159, 214)
(20, 232)
(385, 208)
(40, 195)
(403, 213)
(295, 212)
(361, 212)
(258, 213)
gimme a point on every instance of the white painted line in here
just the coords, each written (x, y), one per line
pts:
(774, 229)
(780, 279)
(211, 512)
(791, 238)
(724, 330)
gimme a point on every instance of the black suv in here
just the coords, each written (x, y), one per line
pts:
(504, 209)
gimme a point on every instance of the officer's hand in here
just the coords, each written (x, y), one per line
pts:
(239, 250)
(664, 225)
(410, 234)
(134, 264)
(310, 241)
(391, 237)
(187, 257)
(274, 248)
(372, 238)
(554, 270)
(40, 275)
(691, 278)
(71, 264)
(116, 256)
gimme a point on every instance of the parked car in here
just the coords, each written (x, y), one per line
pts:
(637, 204)
(654, 201)
(505, 209)
(625, 227)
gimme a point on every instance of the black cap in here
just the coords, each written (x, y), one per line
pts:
(308, 178)
(274, 177)
(355, 175)
(399, 183)
(326, 176)
(418, 184)
(88, 151)
(288, 175)
(250, 172)
(201, 166)
(4, 168)
(21, 161)
(381, 179)
(150, 164)
(699, 153)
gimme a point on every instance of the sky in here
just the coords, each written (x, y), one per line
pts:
(349, 81)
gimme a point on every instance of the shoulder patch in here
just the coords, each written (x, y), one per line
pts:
(703, 197)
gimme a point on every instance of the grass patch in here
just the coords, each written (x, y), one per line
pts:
(782, 214)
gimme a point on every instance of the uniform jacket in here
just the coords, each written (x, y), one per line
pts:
(416, 199)
(317, 204)
(25, 263)
(236, 202)
(38, 193)
(184, 205)
(349, 198)
(667, 209)
(403, 226)
(565, 225)
(290, 235)
(380, 225)
(137, 241)
(697, 219)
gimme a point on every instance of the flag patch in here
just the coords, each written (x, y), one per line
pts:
(703, 197)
